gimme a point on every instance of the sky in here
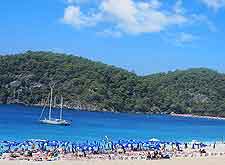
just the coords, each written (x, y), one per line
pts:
(143, 36)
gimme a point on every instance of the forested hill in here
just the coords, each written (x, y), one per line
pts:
(84, 84)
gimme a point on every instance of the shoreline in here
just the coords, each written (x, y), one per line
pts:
(129, 112)
(197, 116)
(132, 112)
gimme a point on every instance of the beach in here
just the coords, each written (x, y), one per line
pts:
(172, 154)
(183, 161)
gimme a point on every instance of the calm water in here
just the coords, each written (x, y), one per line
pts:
(21, 123)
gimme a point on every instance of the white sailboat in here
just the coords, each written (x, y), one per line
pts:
(54, 121)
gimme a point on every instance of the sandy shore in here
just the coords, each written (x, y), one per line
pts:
(182, 161)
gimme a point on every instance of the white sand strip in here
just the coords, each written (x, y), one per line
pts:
(182, 161)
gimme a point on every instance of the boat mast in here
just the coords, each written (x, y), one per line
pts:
(61, 108)
(54, 105)
(50, 108)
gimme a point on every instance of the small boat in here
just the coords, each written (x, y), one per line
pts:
(54, 121)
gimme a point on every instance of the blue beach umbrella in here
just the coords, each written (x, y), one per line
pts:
(25, 144)
(203, 145)
(53, 143)
(41, 142)
(175, 143)
(178, 143)
(157, 147)
(122, 141)
(37, 140)
(29, 142)
(9, 144)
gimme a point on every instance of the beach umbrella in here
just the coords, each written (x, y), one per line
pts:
(146, 144)
(5, 142)
(178, 143)
(33, 142)
(203, 145)
(154, 140)
(38, 140)
(52, 143)
(28, 143)
(122, 141)
(9, 143)
(25, 144)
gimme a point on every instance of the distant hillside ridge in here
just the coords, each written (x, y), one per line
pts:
(26, 78)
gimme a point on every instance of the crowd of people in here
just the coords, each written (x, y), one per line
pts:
(44, 150)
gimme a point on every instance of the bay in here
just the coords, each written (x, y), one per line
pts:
(21, 123)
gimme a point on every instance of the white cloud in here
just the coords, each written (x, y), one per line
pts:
(128, 16)
(214, 4)
(74, 16)
(185, 38)
(123, 11)
(140, 17)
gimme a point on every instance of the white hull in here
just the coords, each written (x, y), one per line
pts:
(55, 122)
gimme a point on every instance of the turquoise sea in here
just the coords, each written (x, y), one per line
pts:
(21, 123)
